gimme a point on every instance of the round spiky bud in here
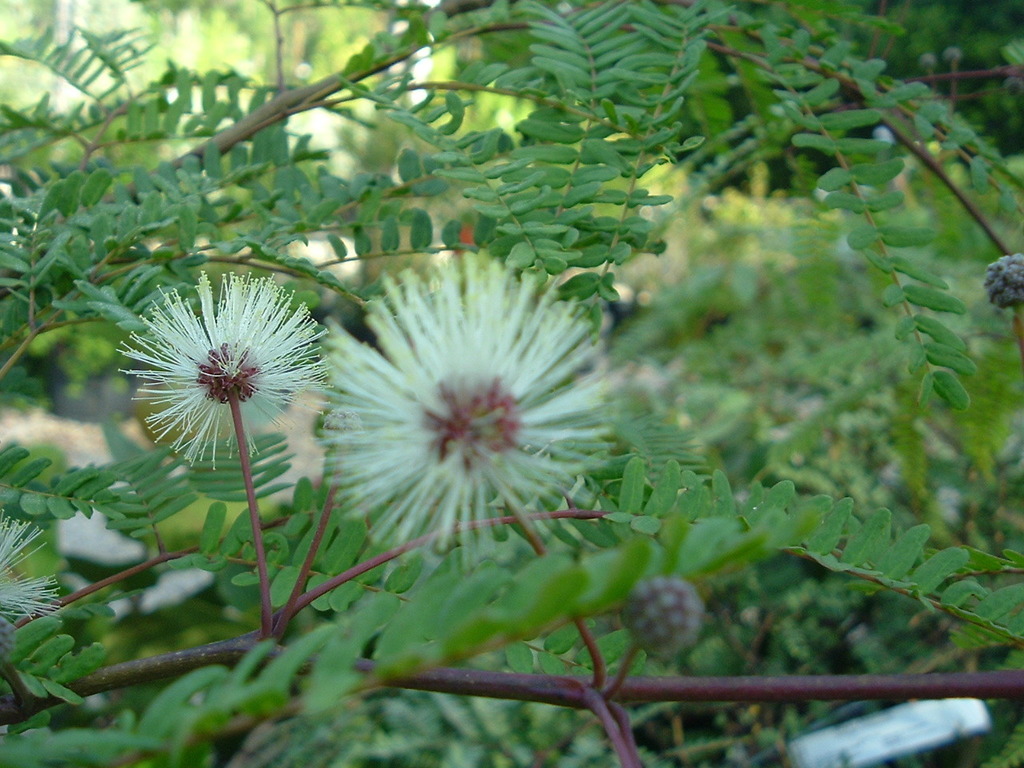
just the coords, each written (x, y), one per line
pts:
(928, 61)
(1004, 281)
(664, 614)
(6, 639)
(953, 55)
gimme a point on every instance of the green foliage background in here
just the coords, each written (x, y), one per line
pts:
(816, 412)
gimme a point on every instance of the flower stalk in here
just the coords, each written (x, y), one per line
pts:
(266, 609)
(1018, 332)
(218, 374)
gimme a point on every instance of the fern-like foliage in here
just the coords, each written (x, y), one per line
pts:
(94, 64)
(571, 179)
(977, 587)
(79, 490)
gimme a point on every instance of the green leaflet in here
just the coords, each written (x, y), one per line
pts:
(959, 592)
(666, 490)
(209, 538)
(902, 237)
(930, 298)
(949, 388)
(939, 332)
(830, 531)
(31, 637)
(834, 179)
(877, 173)
(867, 544)
(950, 357)
(897, 561)
(996, 605)
(938, 567)
(632, 493)
(519, 657)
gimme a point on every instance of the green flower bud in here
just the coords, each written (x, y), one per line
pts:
(664, 614)
(1004, 281)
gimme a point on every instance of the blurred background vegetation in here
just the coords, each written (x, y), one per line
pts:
(755, 331)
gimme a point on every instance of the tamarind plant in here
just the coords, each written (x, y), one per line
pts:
(485, 499)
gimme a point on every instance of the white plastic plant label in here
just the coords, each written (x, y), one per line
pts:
(901, 730)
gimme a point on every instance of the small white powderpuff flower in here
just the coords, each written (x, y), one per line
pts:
(474, 400)
(251, 345)
(21, 596)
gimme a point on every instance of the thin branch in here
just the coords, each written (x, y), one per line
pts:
(589, 641)
(571, 690)
(391, 554)
(914, 147)
(127, 573)
(1018, 332)
(297, 99)
(625, 747)
(1007, 70)
(622, 673)
(278, 44)
(568, 690)
(290, 606)
(626, 727)
(266, 610)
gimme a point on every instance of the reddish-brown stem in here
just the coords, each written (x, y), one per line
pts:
(285, 614)
(622, 673)
(571, 691)
(954, 67)
(391, 554)
(1018, 331)
(357, 570)
(127, 573)
(620, 735)
(1007, 70)
(266, 610)
(596, 657)
(626, 727)
(917, 149)
(912, 145)
(299, 99)
(96, 586)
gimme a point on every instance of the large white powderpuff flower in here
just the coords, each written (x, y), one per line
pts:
(475, 398)
(20, 596)
(251, 345)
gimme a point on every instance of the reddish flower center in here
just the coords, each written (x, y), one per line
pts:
(471, 421)
(221, 375)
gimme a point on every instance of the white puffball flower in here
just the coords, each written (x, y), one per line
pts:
(483, 394)
(20, 596)
(251, 345)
